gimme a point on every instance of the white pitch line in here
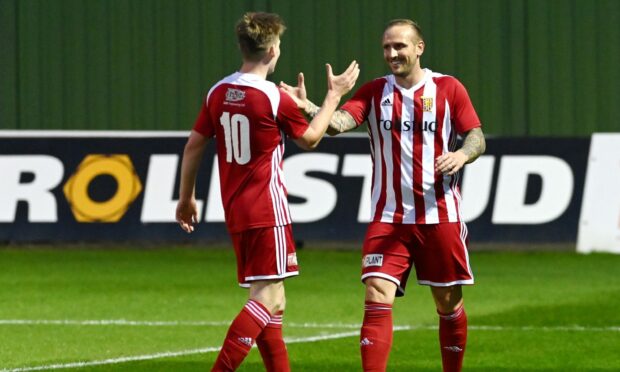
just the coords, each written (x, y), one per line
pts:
(115, 360)
(156, 323)
(170, 354)
(177, 323)
(106, 322)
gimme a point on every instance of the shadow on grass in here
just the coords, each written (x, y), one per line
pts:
(587, 311)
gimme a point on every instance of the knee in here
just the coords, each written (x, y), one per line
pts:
(447, 299)
(273, 304)
(380, 290)
(280, 305)
(269, 294)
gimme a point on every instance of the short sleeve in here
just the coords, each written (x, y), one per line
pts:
(289, 118)
(203, 123)
(359, 105)
(464, 114)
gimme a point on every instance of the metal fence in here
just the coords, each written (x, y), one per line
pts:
(532, 68)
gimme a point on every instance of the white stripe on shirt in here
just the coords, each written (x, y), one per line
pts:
(377, 186)
(428, 153)
(406, 156)
(449, 195)
(386, 114)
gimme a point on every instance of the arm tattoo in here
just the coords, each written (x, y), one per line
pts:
(341, 120)
(473, 144)
(312, 109)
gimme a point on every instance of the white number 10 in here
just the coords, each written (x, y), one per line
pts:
(236, 137)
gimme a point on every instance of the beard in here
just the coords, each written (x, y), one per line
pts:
(402, 70)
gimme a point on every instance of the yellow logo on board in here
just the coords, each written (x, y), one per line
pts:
(84, 208)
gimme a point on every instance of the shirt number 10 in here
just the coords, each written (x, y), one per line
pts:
(236, 137)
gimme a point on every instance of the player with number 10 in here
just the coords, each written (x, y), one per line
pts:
(250, 119)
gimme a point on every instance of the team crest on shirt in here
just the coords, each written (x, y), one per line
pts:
(234, 95)
(373, 260)
(291, 259)
(427, 104)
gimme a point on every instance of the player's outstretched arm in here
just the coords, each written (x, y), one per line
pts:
(337, 86)
(474, 145)
(187, 213)
(341, 120)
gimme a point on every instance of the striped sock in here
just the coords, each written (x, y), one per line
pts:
(376, 336)
(271, 346)
(452, 339)
(241, 335)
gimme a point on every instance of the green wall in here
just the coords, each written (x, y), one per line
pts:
(531, 67)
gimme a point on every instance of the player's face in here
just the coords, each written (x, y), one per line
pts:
(275, 57)
(402, 49)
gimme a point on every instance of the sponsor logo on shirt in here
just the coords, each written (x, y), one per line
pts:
(234, 95)
(373, 260)
(386, 102)
(408, 125)
(291, 259)
(427, 104)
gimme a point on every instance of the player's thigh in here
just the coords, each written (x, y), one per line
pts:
(385, 254)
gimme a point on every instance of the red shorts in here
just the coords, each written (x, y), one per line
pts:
(266, 253)
(437, 251)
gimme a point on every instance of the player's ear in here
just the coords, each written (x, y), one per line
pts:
(420, 47)
(271, 52)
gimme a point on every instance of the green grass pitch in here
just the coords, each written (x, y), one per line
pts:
(167, 309)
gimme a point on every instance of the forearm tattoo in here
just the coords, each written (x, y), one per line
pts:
(341, 122)
(312, 109)
(473, 144)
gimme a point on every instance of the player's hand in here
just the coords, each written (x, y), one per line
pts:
(343, 83)
(298, 93)
(187, 214)
(450, 162)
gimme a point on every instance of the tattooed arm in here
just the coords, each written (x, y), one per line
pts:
(341, 120)
(473, 146)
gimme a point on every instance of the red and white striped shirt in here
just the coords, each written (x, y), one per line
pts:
(250, 117)
(409, 129)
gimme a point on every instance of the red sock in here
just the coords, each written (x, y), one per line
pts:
(241, 335)
(452, 339)
(376, 336)
(271, 346)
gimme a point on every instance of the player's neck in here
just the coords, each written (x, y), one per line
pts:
(412, 79)
(254, 68)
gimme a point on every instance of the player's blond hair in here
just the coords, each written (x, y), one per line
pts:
(256, 32)
(406, 22)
